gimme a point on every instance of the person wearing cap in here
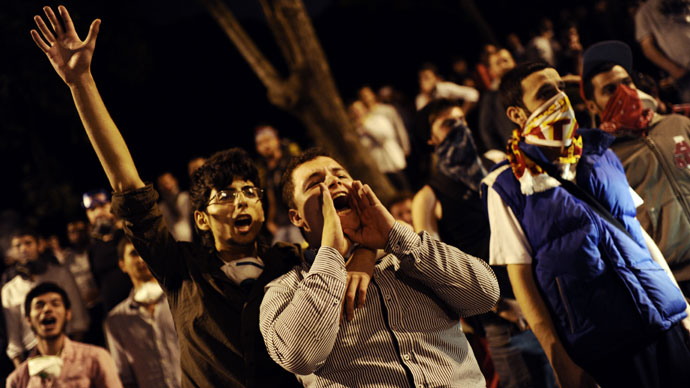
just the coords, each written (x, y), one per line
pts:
(654, 150)
(106, 232)
(562, 219)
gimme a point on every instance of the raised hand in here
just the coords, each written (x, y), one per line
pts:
(375, 220)
(332, 234)
(69, 55)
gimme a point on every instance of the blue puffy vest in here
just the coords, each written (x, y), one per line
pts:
(604, 291)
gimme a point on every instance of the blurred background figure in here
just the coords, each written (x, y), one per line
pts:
(662, 27)
(378, 135)
(544, 47)
(176, 207)
(105, 232)
(494, 126)
(194, 164)
(274, 156)
(140, 330)
(400, 207)
(33, 269)
(432, 87)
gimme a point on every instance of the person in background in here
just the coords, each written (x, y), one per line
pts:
(58, 361)
(33, 270)
(274, 155)
(140, 330)
(175, 206)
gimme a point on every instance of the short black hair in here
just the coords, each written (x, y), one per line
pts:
(42, 289)
(24, 231)
(286, 181)
(432, 110)
(587, 86)
(219, 171)
(510, 89)
(428, 66)
(124, 241)
(398, 197)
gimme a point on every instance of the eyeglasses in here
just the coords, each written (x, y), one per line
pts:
(223, 197)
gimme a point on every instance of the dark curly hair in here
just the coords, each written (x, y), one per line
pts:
(286, 182)
(219, 171)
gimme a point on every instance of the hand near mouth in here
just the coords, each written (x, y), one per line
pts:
(332, 234)
(375, 220)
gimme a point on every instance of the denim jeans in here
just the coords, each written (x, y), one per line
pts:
(518, 358)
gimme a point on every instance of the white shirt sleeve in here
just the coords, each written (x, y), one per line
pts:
(455, 91)
(508, 243)
(637, 200)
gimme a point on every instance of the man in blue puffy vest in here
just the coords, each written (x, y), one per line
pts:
(603, 307)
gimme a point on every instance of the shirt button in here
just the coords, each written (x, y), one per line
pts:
(406, 356)
(417, 261)
(420, 385)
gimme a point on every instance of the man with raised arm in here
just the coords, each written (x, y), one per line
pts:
(214, 288)
(406, 330)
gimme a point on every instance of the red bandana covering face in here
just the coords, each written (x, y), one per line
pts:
(552, 124)
(624, 112)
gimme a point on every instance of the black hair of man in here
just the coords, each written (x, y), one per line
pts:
(286, 181)
(428, 66)
(42, 289)
(124, 241)
(398, 197)
(587, 86)
(434, 109)
(24, 231)
(219, 171)
(510, 89)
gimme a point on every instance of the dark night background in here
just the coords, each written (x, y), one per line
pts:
(177, 87)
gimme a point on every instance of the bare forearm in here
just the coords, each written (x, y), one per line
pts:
(105, 138)
(658, 58)
(534, 310)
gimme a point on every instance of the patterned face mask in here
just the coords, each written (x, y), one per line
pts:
(553, 124)
(624, 112)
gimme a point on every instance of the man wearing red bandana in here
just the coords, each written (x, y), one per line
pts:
(654, 150)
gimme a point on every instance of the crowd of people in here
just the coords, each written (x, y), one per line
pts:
(539, 237)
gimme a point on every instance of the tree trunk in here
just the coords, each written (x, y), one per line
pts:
(309, 92)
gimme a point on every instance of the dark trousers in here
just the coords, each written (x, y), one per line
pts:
(665, 363)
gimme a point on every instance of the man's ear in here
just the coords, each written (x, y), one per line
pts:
(201, 220)
(68, 315)
(516, 115)
(592, 107)
(121, 264)
(296, 219)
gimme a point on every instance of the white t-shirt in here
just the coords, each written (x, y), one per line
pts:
(508, 243)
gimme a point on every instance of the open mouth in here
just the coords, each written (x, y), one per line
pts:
(48, 322)
(341, 202)
(243, 222)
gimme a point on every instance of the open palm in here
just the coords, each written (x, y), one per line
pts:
(69, 55)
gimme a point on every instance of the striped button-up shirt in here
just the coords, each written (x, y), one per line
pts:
(407, 333)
